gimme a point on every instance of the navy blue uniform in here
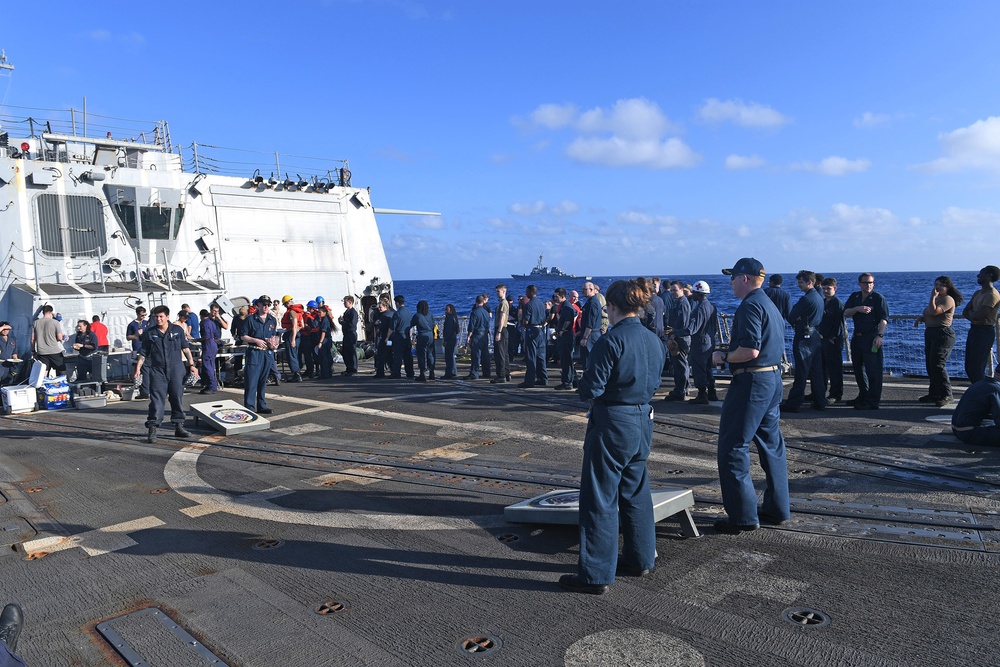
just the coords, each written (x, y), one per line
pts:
(163, 364)
(450, 335)
(383, 336)
(621, 377)
(8, 348)
(592, 312)
(88, 342)
(425, 343)
(209, 350)
(565, 342)
(402, 349)
(704, 327)
(680, 320)
(479, 341)
(348, 348)
(831, 331)
(750, 415)
(805, 317)
(533, 321)
(325, 347)
(868, 366)
(980, 402)
(781, 299)
(258, 361)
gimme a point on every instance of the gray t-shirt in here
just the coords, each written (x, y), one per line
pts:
(46, 332)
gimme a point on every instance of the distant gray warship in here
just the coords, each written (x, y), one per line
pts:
(544, 272)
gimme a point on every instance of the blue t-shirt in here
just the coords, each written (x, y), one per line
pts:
(757, 324)
(807, 312)
(479, 321)
(533, 313)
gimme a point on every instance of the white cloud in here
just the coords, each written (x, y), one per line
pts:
(974, 147)
(631, 133)
(744, 161)
(554, 116)
(869, 120)
(833, 166)
(539, 207)
(634, 119)
(428, 222)
(741, 113)
(618, 152)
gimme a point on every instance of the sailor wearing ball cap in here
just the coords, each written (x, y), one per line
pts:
(704, 327)
(261, 340)
(750, 411)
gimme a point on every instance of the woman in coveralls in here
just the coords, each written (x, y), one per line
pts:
(261, 340)
(622, 374)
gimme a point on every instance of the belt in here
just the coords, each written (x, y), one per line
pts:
(754, 369)
(535, 326)
(962, 428)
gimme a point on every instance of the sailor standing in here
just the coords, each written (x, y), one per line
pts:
(259, 335)
(164, 347)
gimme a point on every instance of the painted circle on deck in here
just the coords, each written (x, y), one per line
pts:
(613, 648)
(233, 416)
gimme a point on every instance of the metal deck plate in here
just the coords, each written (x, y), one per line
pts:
(563, 507)
(149, 637)
(229, 417)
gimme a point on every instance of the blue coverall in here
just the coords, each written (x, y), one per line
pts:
(622, 375)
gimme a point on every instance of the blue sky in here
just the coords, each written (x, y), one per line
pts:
(665, 138)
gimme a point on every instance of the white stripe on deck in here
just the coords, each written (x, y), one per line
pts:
(94, 542)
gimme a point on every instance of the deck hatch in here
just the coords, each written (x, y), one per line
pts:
(149, 637)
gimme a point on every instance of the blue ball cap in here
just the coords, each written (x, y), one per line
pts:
(312, 304)
(748, 266)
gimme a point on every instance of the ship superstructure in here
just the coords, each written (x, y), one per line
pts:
(98, 225)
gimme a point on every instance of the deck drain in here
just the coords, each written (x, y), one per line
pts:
(331, 607)
(675, 472)
(508, 537)
(804, 617)
(36, 489)
(480, 645)
(489, 442)
(264, 545)
(377, 424)
(804, 471)
(159, 490)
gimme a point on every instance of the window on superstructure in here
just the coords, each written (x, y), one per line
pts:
(122, 201)
(155, 222)
(178, 217)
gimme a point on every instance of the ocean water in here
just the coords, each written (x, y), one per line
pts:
(907, 293)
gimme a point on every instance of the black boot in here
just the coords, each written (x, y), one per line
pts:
(11, 622)
(151, 434)
(700, 399)
(712, 396)
(181, 432)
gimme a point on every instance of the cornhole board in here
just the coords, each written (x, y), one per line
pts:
(229, 417)
(563, 507)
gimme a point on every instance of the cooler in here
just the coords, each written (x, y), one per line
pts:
(18, 400)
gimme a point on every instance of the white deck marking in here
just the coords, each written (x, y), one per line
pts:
(359, 476)
(302, 429)
(94, 542)
(297, 413)
(404, 397)
(181, 474)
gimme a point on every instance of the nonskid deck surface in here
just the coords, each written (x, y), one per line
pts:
(366, 527)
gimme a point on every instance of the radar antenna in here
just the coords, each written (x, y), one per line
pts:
(5, 67)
